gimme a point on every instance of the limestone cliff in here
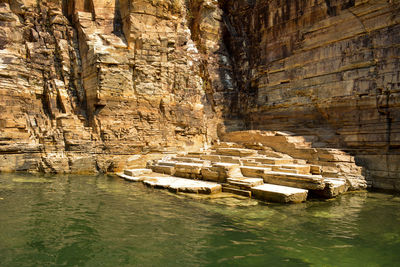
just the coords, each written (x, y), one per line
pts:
(326, 68)
(87, 84)
(95, 85)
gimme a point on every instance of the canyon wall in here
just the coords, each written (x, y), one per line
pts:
(92, 85)
(95, 85)
(325, 68)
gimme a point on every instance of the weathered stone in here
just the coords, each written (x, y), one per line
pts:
(328, 166)
(240, 152)
(137, 172)
(188, 170)
(293, 168)
(236, 191)
(274, 161)
(257, 172)
(220, 171)
(87, 85)
(322, 68)
(193, 186)
(245, 183)
(164, 169)
(101, 80)
(333, 188)
(277, 193)
(130, 178)
(159, 182)
(295, 180)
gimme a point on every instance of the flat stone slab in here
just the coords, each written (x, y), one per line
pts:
(274, 161)
(130, 178)
(225, 164)
(137, 172)
(166, 163)
(240, 152)
(253, 171)
(236, 191)
(195, 186)
(245, 183)
(227, 145)
(188, 170)
(188, 159)
(278, 193)
(189, 165)
(294, 168)
(176, 184)
(164, 169)
(315, 182)
(159, 182)
(211, 157)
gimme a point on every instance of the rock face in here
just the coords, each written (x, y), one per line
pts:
(90, 85)
(323, 68)
(87, 84)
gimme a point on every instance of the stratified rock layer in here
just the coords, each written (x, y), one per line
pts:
(91, 86)
(95, 86)
(323, 68)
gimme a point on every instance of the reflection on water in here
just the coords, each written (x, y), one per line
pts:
(106, 221)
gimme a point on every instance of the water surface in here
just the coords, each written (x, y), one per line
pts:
(106, 221)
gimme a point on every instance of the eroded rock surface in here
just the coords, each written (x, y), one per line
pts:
(91, 86)
(324, 68)
(98, 85)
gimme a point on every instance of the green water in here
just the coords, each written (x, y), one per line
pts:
(106, 221)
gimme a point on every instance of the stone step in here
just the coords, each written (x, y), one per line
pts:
(188, 159)
(137, 172)
(254, 171)
(227, 145)
(193, 186)
(159, 182)
(294, 168)
(300, 161)
(245, 183)
(130, 178)
(273, 161)
(278, 193)
(163, 169)
(230, 189)
(295, 180)
(183, 185)
(188, 170)
(281, 169)
(239, 152)
(220, 171)
(219, 158)
(291, 168)
(197, 154)
(315, 169)
(166, 163)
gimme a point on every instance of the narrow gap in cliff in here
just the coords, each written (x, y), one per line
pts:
(349, 4)
(98, 108)
(117, 23)
(193, 15)
(331, 10)
(88, 6)
(60, 106)
(66, 9)
(45, 106)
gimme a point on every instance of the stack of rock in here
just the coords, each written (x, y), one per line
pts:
(251, 168)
